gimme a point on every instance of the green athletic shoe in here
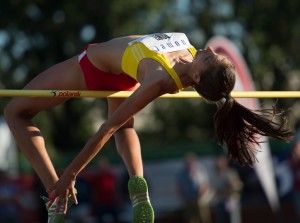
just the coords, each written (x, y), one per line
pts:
(59, 216)
(142, 208)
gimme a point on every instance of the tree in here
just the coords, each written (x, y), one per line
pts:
(37, 34)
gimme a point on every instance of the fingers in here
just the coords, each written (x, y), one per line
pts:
(62, 202)
(51, 202)
(65, 202)
(53, 195)
(60, 196)
(74, 197)
(52, 198)
(61, 205)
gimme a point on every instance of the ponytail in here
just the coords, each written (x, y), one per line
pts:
(238, 128)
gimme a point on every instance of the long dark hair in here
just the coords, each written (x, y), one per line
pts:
(237, 127)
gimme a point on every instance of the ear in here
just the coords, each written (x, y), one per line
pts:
(196, 78)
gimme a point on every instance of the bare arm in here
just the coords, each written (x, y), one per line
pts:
(136, 102)
(145, 94)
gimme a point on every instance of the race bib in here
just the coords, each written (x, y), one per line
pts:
(164, 42)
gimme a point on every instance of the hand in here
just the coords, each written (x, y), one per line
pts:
(64, 187)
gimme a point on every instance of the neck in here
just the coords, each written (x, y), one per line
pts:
(183, 68)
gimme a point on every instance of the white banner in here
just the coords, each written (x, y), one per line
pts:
(8, 150)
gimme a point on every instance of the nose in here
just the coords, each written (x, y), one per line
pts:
(209, 49)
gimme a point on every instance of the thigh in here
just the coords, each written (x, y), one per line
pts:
(66, 75)
(113, 104)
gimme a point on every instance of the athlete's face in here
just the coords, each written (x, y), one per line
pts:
(206, 55)
(204, 60)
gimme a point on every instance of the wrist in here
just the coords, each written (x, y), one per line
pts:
(70, 174)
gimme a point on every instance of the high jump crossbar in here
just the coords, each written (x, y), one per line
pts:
(124, 94)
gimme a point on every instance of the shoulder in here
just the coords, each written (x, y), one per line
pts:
(159, 78)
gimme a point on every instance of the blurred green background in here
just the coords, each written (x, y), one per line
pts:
(37, 34)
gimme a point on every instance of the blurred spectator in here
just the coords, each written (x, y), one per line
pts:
(9, 200)
(125, 202)
(103, 183)
(227, 187)
(295, 164)
(283, 177)
(193, 185)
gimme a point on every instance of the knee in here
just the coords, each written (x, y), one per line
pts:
(124, 132)
(12, 111)
(8, 112)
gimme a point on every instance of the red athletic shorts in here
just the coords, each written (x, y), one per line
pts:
(98, 80)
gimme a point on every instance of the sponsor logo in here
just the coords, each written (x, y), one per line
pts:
(54, 93)
(66, 93)
(160, 36)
